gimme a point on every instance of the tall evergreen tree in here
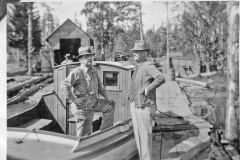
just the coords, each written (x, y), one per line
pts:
(47, 22)
(76, 21)
(200, 23)
(17, 30)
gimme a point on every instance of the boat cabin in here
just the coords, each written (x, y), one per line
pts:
(115, 76)
(67, 38)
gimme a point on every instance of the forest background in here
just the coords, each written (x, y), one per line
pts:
(195, 29)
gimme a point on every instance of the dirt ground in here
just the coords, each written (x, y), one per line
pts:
(14, 69)
(217, 83)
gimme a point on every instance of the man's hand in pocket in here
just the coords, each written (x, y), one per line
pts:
(80, 101)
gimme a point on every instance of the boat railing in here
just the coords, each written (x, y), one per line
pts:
(101, 135)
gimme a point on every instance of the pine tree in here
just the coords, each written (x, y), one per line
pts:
(76, 21)
(48, 23)
(17, 31)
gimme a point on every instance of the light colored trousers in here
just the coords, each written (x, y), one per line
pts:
(142, 126)
(84, 115)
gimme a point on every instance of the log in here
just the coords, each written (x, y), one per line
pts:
(27, 83)
(204, 84)
(28, 92)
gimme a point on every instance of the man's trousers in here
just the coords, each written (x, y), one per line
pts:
(84, 115)
(142, 126)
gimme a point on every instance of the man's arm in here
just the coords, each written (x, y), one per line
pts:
(158, 77)
(158, 81)
(67, 84)
(101, 88)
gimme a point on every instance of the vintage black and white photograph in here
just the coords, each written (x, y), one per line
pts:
(121, 80)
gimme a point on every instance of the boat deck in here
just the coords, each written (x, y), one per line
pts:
(179, 134)
(40, 150)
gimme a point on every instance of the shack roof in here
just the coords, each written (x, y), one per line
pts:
(63, 24)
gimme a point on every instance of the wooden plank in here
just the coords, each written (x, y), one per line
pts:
(177, 88)
(54, 153)
(156, 145)
(182, 108)
(171, 91)
(165, 90)
(36, 124)
(18, 149)
(159, 92)
(15, 148)
(184, 98)
(168, 150)
(192, 136)
(164, 106)
(171, 128)
(203, 134)
(203, 155)
(204, 84)
(195, 150)
(172, 106)
(181, 147)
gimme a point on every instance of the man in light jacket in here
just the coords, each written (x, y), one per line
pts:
(142, 96)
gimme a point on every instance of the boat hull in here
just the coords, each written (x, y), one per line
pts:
(49, 145)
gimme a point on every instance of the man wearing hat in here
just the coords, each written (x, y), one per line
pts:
(142, 96)
(81, 88)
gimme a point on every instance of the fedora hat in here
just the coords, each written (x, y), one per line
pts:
(139, 46)
(84, 50)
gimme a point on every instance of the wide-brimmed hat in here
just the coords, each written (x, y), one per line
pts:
(84, 50)
(139, 46)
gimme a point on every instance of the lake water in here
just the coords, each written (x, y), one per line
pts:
(220, 112)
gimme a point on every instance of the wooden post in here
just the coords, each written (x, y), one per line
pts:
(30, 7)
(52, 56)
(232, 114)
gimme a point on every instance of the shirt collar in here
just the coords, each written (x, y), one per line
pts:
(139, 64)
(85, 69)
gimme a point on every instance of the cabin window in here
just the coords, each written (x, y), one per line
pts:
(111, 80)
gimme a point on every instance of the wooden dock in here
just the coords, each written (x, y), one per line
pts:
(179, 134)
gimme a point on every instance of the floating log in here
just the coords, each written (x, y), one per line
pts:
(204, 84)
(27, 83)
(28, 92)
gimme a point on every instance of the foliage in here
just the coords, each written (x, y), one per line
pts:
(205, 25)
(199, 31)
(48, 25)
(110, 21)
(76, 21)
(17, 30)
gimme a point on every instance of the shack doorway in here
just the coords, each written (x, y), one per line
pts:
(67, 46)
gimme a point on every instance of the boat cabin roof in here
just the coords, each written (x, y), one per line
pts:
(127, 65)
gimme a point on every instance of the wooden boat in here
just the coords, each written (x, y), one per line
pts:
(117, 141)
(179, 134)
(51, 121)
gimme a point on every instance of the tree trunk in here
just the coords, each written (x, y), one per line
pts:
(140, 22)
(167, 39)
(232, 116)
(30, 7)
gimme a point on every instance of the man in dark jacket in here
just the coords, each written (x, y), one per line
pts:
(142, 96)
(81, 88)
